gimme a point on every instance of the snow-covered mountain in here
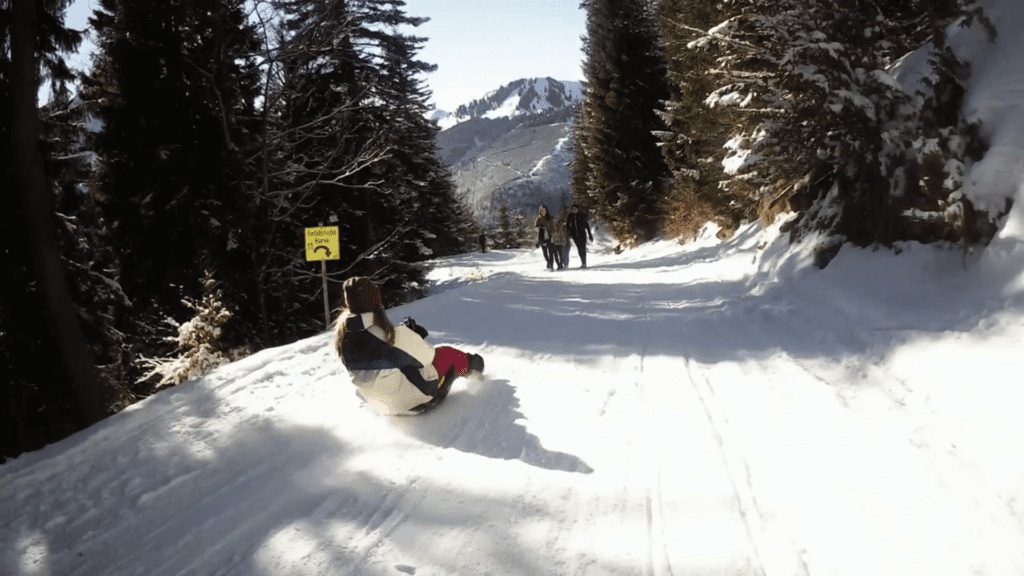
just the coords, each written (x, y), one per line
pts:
(527, 96)
(514, 144)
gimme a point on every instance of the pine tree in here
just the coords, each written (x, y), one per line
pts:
(621, 171)
(84, 237)
(829, 127)
(505, 236)
(693, 142)
(171, 84)
(521, 230)
(347, 144)
(41, 401)
(422, 191)
(316, 157)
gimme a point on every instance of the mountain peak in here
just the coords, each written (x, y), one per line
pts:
(523, 96)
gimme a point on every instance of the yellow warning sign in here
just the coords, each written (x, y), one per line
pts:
(322, 243)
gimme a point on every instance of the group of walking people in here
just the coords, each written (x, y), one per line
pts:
(553, 236)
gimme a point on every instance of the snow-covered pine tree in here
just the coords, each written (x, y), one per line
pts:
(619, 169)
(521, 231)
(693, 142)
(199, 342)
(830, 131)
(91, 262)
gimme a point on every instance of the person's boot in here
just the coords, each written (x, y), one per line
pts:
(476, 363)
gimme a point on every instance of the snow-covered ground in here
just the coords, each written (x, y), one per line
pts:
(716, 408)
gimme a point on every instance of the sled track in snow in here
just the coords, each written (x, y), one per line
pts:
(733, 461)
(657, 546)
(658, 562)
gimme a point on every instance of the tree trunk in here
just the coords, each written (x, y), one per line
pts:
(30, 182)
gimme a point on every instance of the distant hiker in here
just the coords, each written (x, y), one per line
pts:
(394, 368)
(545, 223)
(558, 244)
(482, 239)
(578, 228)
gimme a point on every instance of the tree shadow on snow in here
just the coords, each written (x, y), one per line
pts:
(483, 419)
(161, 489)
(829, 313)
(155, 490)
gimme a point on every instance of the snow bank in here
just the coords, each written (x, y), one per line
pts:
(996, 98)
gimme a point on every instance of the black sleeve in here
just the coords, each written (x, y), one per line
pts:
(428, 387)
(412, 325)
(410, 368)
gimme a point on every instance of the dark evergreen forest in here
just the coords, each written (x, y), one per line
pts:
(155, 222)
(161, 214)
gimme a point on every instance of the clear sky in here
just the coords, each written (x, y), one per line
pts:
(478, 45)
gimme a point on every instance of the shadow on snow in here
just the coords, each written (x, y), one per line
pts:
(483, 420)
(274, 499)
(824, 314)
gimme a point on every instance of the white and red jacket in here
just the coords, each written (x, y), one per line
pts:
(392, 379)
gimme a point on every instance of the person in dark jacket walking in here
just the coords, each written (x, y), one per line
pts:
(578, 228)
(545, 226)
(393, 367)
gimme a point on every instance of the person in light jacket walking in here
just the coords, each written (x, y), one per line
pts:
(395, 370)
(558, 244)
(578, 229)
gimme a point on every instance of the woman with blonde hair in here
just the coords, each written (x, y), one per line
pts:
(393, 367)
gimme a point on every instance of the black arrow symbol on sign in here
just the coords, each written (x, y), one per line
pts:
(326, 249)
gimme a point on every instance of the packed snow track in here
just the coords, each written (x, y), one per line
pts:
(716, 408)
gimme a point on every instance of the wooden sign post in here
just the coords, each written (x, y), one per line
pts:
(322, 244)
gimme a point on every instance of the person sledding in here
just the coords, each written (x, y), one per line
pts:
(394, 369)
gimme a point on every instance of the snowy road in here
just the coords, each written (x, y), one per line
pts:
(711, 409)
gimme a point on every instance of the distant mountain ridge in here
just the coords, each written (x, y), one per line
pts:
(527, 96)
(513, 144)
